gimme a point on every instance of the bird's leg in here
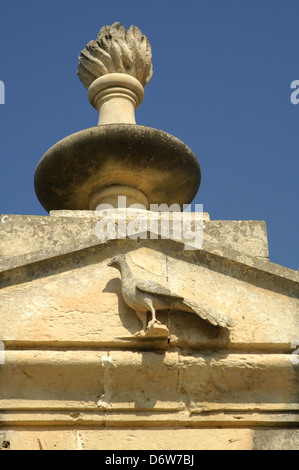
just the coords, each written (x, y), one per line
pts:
(143, 318)
(149, 303)
(154, 330)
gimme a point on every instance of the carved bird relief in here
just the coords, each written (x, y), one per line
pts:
(145, 296)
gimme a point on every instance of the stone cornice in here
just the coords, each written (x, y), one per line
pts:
(70, 245)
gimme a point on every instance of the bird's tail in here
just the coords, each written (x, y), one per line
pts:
(205, 312)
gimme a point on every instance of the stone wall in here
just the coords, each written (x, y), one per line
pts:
(76, 377)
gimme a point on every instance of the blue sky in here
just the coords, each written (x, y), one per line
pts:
(221, 84)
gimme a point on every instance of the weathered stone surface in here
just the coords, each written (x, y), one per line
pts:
(44, 438)
(273, 439)
(201, 385)
(78, 289)
(116, 50)
(27, 239)
(152, 439)
(72, 362)
(194, 439)
(152, 161)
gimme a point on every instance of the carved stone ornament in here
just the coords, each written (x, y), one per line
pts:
(145, 296)
(117, 158)
(116, 50)
(115, 68)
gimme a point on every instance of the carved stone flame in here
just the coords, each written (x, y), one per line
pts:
(116, 50)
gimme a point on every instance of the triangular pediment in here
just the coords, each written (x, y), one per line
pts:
(69, 283)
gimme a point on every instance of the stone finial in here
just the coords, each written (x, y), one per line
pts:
(116, 50)
(117, 158)
(115, 68)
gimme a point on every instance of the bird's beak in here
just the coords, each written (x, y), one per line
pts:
(110, 263)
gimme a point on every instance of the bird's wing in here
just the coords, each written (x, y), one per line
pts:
(152, 287)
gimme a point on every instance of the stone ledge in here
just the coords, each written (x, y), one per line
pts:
(195, 388)
(150, 420)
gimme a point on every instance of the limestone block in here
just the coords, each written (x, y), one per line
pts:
(262, 310)
(84, 439)
(274, 439)
(109, 387)
(151, 439)
(26, 239)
